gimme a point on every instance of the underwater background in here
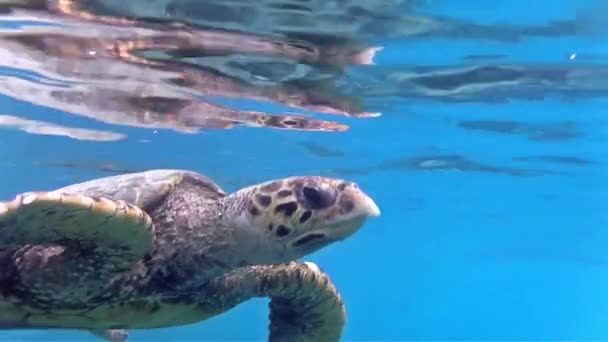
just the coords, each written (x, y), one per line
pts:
(479, 128)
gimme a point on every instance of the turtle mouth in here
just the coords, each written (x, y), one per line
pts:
(336, 231)
(309, 238)
(342, 229)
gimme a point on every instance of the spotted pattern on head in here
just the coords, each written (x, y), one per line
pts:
(271, 187)
(294, 205)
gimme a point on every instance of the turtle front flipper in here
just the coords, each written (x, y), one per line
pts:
(60, 250)
(305, 306)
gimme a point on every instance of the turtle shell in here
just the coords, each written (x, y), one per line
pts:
(142, 189)
(60, 249)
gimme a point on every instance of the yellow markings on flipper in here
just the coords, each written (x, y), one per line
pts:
(47, 217)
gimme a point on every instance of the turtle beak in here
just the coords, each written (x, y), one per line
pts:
(356, 204)
(364, 205)
(368, 206)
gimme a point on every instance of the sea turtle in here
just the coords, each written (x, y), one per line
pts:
(163, 248)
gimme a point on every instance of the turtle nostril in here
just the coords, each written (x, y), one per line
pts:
(316, 198)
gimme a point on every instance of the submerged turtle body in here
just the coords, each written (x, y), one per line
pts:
(169, 247)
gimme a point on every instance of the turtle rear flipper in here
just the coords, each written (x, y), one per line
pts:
(68, 246)
(305, 306)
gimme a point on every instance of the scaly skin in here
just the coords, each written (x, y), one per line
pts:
(149, 251)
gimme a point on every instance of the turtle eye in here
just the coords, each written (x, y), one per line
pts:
(315, 198)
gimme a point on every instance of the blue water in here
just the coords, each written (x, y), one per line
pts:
(506, 242)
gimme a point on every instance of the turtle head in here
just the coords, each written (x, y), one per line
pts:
(297, 216)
